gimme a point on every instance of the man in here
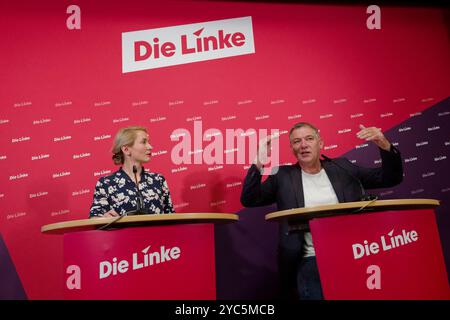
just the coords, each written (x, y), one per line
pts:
(312, 182)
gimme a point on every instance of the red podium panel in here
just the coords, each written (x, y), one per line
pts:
(384, 255)
(158, 262)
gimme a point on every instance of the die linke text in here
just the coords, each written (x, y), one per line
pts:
(155, 49)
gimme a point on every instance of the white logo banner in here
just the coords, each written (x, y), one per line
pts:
(162, 47)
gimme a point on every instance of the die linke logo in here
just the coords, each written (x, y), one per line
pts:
(162, 47)
(139, 260)
(387, 242)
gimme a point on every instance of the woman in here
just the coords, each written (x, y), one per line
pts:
(118, 194)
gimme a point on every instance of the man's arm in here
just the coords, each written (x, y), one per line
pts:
(391, 171)
(254, 193)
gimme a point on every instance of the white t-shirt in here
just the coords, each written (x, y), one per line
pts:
(318, 191)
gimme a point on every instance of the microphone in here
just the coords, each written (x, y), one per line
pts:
(140, 199)
(140, 205)
(364, 195)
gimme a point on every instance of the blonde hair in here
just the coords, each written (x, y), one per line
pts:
(124, 137)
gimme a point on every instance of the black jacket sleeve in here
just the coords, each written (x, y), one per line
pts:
(254, 193)
(390, 173)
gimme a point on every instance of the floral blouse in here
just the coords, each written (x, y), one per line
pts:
(119, 193)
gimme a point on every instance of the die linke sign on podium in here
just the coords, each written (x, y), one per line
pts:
(384, 255)
(159, 262)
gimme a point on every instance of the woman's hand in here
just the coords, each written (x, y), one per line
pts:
(109, 214)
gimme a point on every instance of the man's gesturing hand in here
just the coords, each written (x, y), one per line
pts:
(375, 135)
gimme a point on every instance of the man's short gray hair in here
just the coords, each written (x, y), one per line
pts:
(304, 124)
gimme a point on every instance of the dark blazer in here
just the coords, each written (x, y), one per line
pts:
(285, 188)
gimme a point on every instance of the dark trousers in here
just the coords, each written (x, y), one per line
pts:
(308, 280)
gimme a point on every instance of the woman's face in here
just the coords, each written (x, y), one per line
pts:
(140, 151)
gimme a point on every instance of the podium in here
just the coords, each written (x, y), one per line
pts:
(157, 257)
(381, 249)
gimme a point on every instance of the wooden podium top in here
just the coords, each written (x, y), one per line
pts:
(138, 220)
(306, 214)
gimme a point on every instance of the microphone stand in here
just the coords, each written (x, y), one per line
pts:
(140, 199)
(139, 203)
(364, 196)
